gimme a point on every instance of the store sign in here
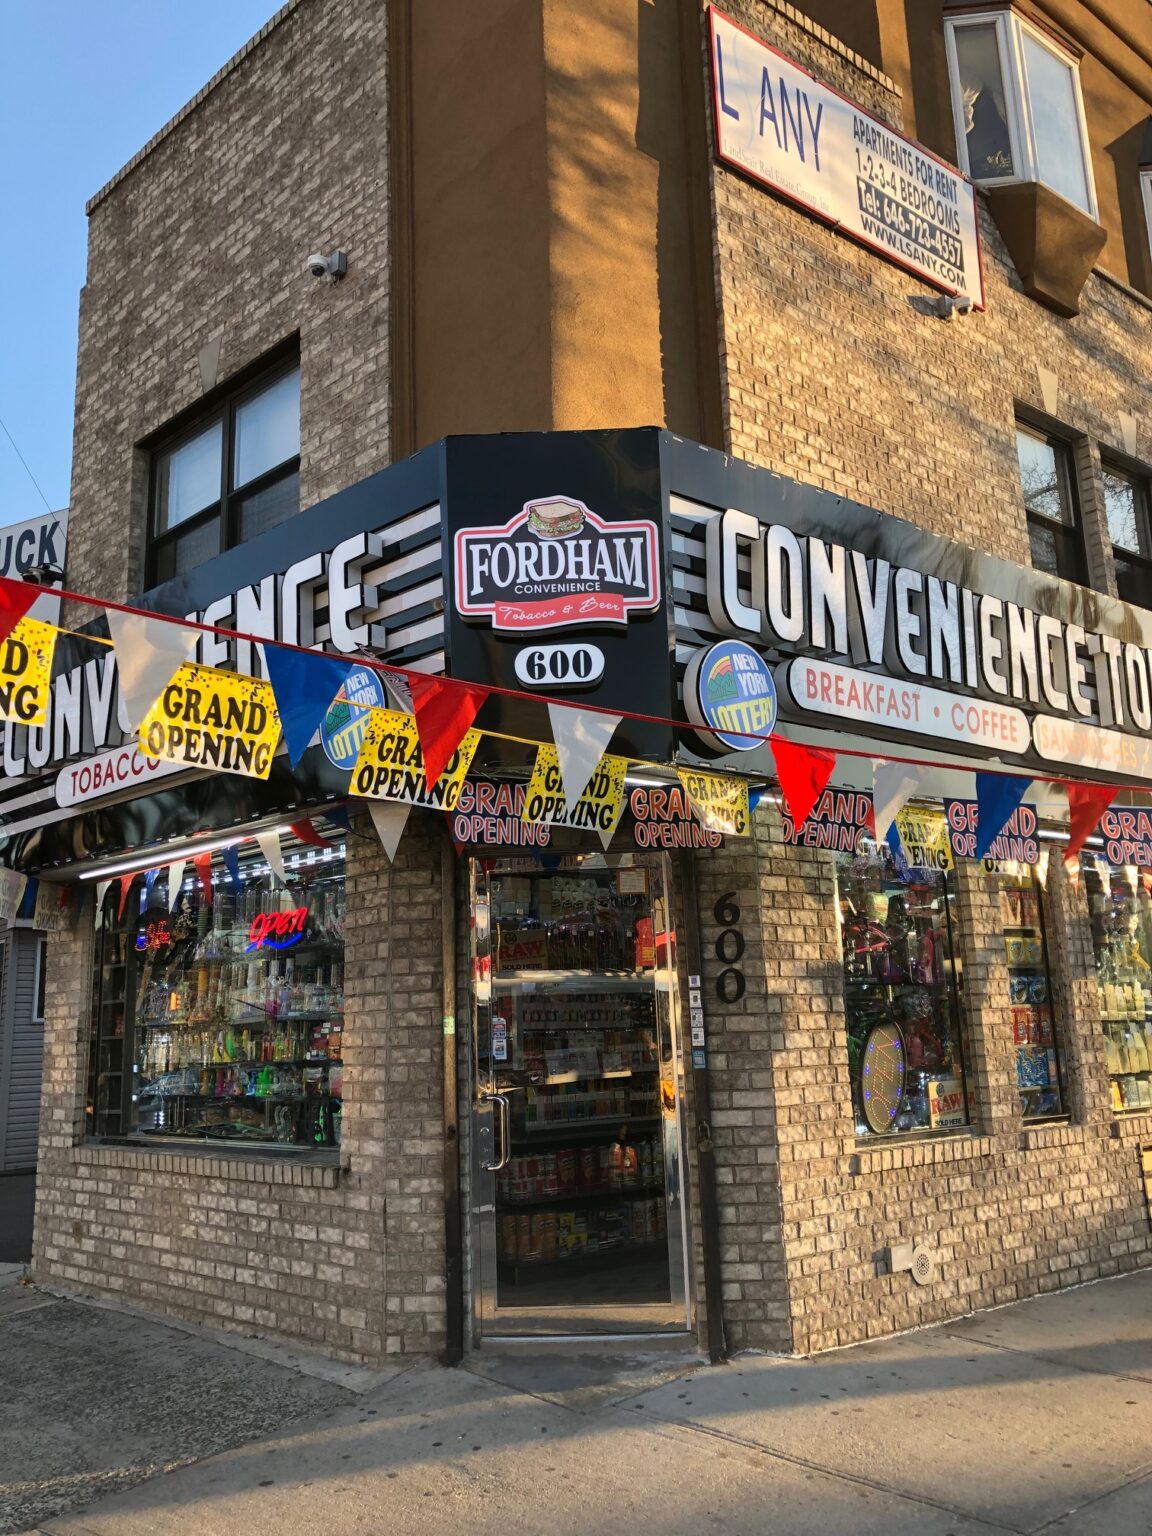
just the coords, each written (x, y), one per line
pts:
(391, 764)
(217, 720)
(1127, 837)
(109, 774)
(1018, 843)
(799, 137)
(343, 727)
(662, 817)
(155, 936)
(492, 814)
(26, 672)
(916, 645)
(556, 565)
(946, 1103)
(599, 807)
(276, 930)
(839, 819)
(730, 695)
(40, 542)
(86, 714)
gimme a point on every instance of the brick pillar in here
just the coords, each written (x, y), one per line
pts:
(986, 1019)
(67, 1010)
(393, 1124)
(1077, 1002)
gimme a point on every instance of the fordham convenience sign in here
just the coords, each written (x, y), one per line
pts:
(792, 133)
(556, 565)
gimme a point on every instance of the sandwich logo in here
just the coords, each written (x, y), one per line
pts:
(556, 565)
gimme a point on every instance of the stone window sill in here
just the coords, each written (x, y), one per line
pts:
(919, 1154)
(1060, 1133)
(315, 1170)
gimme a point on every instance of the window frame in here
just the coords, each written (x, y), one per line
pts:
(1113, 464)
(1146, 199)
(1011, 28)
(225, 511)
(1067, 469)
(39, 979)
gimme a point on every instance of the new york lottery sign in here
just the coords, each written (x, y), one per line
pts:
(796, 135)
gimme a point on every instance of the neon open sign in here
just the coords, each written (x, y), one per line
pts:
(155, 936)
(277, 930)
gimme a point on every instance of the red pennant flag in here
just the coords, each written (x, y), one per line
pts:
(444, 710)
(803, 772)
(16, 597)
(1086, 804)
(202, 864)
(307, 833)
(125, 887)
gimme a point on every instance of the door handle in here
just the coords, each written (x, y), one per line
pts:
(505, 1110)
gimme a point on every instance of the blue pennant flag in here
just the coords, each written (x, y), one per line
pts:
(305, 684)
(231, 861)
(754, 798)
(28, 901)
(899, 857)
(149, 881)
(338, 816)
(997, 797)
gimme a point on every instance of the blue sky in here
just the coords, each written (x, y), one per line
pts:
(83, 85)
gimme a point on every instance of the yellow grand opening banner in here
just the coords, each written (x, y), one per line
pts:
(26, 672)
(390, 765)
(720, 803)
(210, 719)
(598, 809)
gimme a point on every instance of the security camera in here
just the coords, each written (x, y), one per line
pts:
(43, 575)
(949, 305)
(331, 268)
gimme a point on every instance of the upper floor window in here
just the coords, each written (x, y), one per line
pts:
(231, 475)
(1126, 504)
(1046, 481)
(1146, 195)
(1017, 106)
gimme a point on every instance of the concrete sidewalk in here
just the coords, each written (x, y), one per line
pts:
(1037, 1417)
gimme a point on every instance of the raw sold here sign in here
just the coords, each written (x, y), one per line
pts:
(796, 135)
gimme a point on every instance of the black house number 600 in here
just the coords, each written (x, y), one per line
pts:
(730, 983)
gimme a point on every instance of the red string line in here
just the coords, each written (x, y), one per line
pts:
(534, 698)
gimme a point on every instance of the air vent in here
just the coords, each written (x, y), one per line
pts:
(923, 1266)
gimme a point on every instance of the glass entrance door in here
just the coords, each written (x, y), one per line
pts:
(578, 1083)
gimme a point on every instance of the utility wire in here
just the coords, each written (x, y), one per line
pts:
(23, 461)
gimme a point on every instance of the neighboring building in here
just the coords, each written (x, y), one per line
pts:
(22, 976)
(732, 1081)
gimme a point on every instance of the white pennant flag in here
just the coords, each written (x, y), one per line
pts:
(396, 684)
(175, 880)
(389, 817)
(893, 785)
(1042, 867)
(581, 738)
(273, 854)
(101, 892)
(148, 652)
(607, 836)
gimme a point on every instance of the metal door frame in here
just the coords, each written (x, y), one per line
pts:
(488, 1112)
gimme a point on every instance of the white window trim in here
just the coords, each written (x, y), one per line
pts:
(1010, 30)
(1146, 194)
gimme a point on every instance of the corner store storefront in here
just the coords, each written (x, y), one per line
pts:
(661, 1045)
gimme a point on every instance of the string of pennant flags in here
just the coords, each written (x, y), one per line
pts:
(419, 753)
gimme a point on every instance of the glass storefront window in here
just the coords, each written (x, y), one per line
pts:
(222, 1019)
(1121, 913)
(900, 997)
(1034, 1031)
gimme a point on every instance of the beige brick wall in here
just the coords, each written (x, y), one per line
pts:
(204, 242)
(346, 1258)
(832, 375)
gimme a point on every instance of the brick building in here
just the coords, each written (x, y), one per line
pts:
(564, 229)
